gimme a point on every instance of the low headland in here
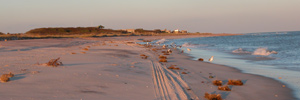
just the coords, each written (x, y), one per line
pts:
(119, 68)
(100, 31)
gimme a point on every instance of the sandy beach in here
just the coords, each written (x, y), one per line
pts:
(111, 68)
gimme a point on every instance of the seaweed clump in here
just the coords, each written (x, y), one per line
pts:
(54, 62)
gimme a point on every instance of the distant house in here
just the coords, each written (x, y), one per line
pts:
(166, 31)
(183, 31)
(176, 31)
(129, 30)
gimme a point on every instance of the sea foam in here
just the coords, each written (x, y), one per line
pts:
(263, 52)
(161, 41)
(193, 45)
(240, 50)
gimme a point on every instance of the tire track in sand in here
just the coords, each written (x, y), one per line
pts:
(170, 86)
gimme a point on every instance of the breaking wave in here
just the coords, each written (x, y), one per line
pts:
(193, 45)
(240, 50)
(161, 41)
(263, 52)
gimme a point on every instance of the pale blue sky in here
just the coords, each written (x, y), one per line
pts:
(217, 16)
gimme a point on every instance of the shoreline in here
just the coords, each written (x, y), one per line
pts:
(242, 71)
(245, 66)
(291, 91)
(115, 70)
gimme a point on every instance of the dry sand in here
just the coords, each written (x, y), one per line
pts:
(112, 69)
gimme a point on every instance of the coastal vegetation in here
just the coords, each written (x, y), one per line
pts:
(101, 27)
(79, 32)
(72, 31)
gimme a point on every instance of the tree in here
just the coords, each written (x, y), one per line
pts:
(1, 33)
(157, 31)
(101, 27)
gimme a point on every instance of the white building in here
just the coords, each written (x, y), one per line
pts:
(176, 31)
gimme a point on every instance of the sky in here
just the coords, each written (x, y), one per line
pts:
(216, 16)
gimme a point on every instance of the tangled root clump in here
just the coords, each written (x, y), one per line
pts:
(217, 82)
(162, 57)
(213, 96)
(144, 56)
(85, 49)
(200, 59)
(224, 88)
(54, 62)
(163, 60)
(235, 82)
(6, 77)
(173, 67)
(183, 73)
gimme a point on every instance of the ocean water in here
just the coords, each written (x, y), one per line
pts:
(273, 54)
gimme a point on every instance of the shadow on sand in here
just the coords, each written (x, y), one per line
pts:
(17, 77)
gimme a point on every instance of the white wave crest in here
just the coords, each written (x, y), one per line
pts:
(161, 41)
(263, 52)
(192, 45)
(240, 50)
(187, 45)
